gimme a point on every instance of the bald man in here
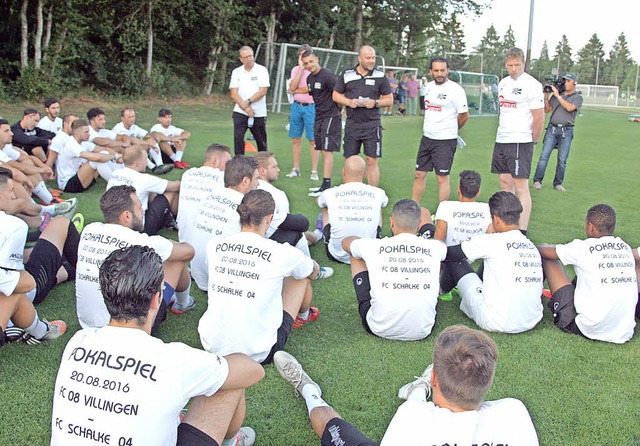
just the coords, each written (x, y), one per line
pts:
(364, 90)
(351, 209)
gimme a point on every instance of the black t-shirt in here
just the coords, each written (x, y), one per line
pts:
(321, 89)
(353, 85)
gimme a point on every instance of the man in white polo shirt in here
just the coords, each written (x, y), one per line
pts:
(199, 182)
(353, 208)
(248, 89)
(51, 122)
(159, 197)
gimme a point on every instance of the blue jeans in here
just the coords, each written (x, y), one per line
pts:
(560, 136)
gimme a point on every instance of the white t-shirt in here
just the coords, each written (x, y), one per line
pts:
(97, 241)
(195, 185)
(11, 152)
(129, 387)
(69, 161)
(423, 88)
(13, 234)
(517, 98)
(102, 133)
(404, 272)
(217, 217)
(58, 141)
(52, 126)
(282, 205)
(248, 83)
(134, 131)
(246, 272)
(464, 219)
(171, 132)
(512, 281)
(144, 183)
(442, 105)
(501, 422)
(354, 209)
(606, 290)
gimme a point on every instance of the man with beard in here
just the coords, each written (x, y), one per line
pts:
(445, 112)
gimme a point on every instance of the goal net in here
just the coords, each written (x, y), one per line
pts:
(481, 90)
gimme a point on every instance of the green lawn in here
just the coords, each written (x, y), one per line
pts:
(578, 391)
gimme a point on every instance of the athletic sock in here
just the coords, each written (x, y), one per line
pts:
(312, 397)
(104, 169)
(150, 165)
(37, 329)
(326, 183)
(524, 232)
(318, 234)
(43, 193)
(173, 157)
(156, 155)
(179, 154)
(182, 297)
(70, 248)
(49, 209)
(418, 394)
(304, 315)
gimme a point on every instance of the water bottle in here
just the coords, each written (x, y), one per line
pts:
(250, 122)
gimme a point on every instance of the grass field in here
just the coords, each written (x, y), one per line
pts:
(579, 392)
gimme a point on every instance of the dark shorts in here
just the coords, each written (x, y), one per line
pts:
(369, 137)
(283, 335)
(563, 308)
(341, 432)
(436, 155)
(512, 158)
(421, 102)
(189, 435)
(363, 294)
(74, 185)
(44, 262)
(2, 341)
(328, 132)
(402, 99)
(158, 215)
(326, 236)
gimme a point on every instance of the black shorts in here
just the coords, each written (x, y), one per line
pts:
(283, 335)
(74, 185)
(421, 102)
(328, 133)
(189, 435)
(158, 215)
(326, 236)
(363, 294)
(563, 307)
(338, 431)
(436, 155)
(43, 264)
(512, 158)
(368, 137)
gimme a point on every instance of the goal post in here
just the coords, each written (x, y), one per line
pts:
(481, 90)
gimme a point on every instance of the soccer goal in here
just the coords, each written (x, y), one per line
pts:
(604, 95)
(481, 90)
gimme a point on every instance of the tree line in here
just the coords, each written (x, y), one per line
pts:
(134, 48)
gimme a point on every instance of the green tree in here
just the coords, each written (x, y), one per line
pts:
(492, 52)
(619, 63)
(590, 60)
(562, 57)
(541, 67)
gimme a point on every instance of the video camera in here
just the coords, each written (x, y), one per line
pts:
(558, 82)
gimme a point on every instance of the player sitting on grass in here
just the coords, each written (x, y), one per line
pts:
(464, 363)
(395, 278)
(600, 304)
(507, 298)
(123, 217)
(257, 287)
(118, 385)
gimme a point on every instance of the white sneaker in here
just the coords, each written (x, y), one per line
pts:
(325, 273)
(66, 208)
(55, 329)
(294, 173)
(423, 381)
(246, 437)
(560, 188)
(291, 370)
(314, 176)
(537, 185)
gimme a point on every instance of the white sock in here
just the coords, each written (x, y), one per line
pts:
(418, 394)
(304, 315)
(230, 442)
(104, 169)
(150, 165)
(179, 155)
(182, 297)
(43, 193)
(318, 234)
(173, 157)
(37, 329)
(156, 156)
(312, 397)
(49, 209)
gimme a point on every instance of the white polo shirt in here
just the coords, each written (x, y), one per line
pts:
(248, 83)
(442, 105)
(517, 97)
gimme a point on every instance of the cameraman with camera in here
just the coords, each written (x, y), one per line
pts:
(563, 101)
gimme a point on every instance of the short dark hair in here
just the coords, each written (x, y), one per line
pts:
(4, 122)
(603, 217)
(506, 206)
(164, 112)
(49, 102)
(115, 201)
(94, 112)
(75, 125)
(215, 147)
(30, 111)
(129, 278)
(406, 214)
(438, 59)
(5, 175)
(515, 53)
(67, 118)
(238, 168)
(255, 206)
(470, 183)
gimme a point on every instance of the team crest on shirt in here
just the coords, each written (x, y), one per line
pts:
(254, 78)
(516, 90)
(317, 86)
(431, 107)
(442, 96)
(505, 103)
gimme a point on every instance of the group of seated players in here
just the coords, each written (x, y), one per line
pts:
(240, 243)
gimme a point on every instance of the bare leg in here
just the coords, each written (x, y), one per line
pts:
(296, 149)
(327, 164)
(524, 194)
(314, 155)
(555, 274)
(320, 416)
(293, 294)
(373, 171)
(444, 189)
(419, 185)
(18, 308)
(172, 197)
(357, 266)
(177, 275)
(86, 174)
(218, 414)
